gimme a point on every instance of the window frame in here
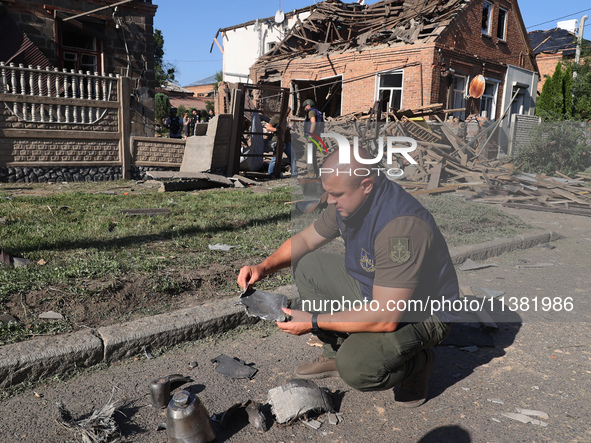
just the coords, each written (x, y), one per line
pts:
(503, 24)
(379, 88)
(492, 116)
(488, 30)
(460, 114)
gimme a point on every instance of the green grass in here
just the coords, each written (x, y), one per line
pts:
(85, 250)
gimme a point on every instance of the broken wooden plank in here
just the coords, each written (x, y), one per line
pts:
(435, 176)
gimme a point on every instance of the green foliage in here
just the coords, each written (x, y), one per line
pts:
(181, 111)
(582, 90)
(555, 146)
(161, 107)
(209, 105)
(219, 76)
(163, 71)
(550, 105)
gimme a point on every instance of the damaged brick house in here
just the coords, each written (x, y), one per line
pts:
(77, 83)
(409, 54)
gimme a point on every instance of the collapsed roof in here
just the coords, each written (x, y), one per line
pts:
(337, 26)
(554, 40)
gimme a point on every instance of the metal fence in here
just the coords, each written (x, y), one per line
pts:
(53, 96)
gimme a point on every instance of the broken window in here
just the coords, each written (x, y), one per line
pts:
(460, 84)
(502, 24)
(486, 17)
(488, 101)
(326, 93)
(79, 52)
(390, 90)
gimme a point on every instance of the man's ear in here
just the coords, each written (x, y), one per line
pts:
(367, 185)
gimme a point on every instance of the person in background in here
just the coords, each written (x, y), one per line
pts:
(186, 124)
(273, 126)
(174, 124)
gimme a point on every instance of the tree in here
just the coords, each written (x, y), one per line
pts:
(582, 89)
(161, 107)
(164, 71)
(550, 106)
(219, 76)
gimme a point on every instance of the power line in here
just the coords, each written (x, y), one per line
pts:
(194, 61)
(559, 18)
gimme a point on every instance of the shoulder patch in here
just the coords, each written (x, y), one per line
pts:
(400, 250)
(366, 261)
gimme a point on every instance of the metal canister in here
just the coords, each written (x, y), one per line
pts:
(160, 390)
(187, 420)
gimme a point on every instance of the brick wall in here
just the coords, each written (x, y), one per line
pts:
(547, 64)
(461, 47)
(159, 152)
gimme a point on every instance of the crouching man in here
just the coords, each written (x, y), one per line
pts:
(395, 262)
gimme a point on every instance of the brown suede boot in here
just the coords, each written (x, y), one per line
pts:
(413, 392)
(320, 367)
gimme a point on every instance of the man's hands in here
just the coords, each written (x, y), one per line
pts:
(249, 275)
(300, 323)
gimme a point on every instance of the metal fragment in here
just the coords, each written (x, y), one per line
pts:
(264, 305)
(492, 293)
(471, 265)
(233, 367)
(298, 397)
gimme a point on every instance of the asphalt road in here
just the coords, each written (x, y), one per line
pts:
(538, 360)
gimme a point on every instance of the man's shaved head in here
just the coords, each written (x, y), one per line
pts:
(353, 172)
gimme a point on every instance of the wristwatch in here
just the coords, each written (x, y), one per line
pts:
(315, 328)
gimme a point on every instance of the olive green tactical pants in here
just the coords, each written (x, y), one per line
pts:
(367, 361)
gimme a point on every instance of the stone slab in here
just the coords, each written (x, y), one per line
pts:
(45, 356)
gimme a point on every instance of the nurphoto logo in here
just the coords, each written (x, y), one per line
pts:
(388, 146)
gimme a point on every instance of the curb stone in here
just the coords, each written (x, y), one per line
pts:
(46, 356)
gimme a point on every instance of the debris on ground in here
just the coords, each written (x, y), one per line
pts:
(249, 409)
(50, 315)
(233, 367)
(221, 247)
(297, 398)
(99, 427)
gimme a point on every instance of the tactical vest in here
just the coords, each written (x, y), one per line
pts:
(386, 202)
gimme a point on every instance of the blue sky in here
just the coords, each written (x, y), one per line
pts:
(189, 26)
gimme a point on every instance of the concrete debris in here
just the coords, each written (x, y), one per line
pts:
(50, 315)
(334, 418)
(221, 247)
(471, 265)
(297, 398)
(536, 265)
(314, 424)
(533, 412)
(524, 418)
(496, 400)
(469, 349)
(492, 293)
(466, 389)
(193, 364)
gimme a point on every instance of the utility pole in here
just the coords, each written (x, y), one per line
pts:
(580, 38)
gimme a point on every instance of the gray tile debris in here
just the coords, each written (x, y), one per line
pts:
(492, 293)
(496, 400)
(50, 315)
(524, 418)
(314, 424)
(536, 265)
(533, 412)
(221, 247)
(334, 418)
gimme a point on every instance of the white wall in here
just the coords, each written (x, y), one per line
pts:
(244, 45)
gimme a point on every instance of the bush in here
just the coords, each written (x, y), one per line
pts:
(555, 146)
